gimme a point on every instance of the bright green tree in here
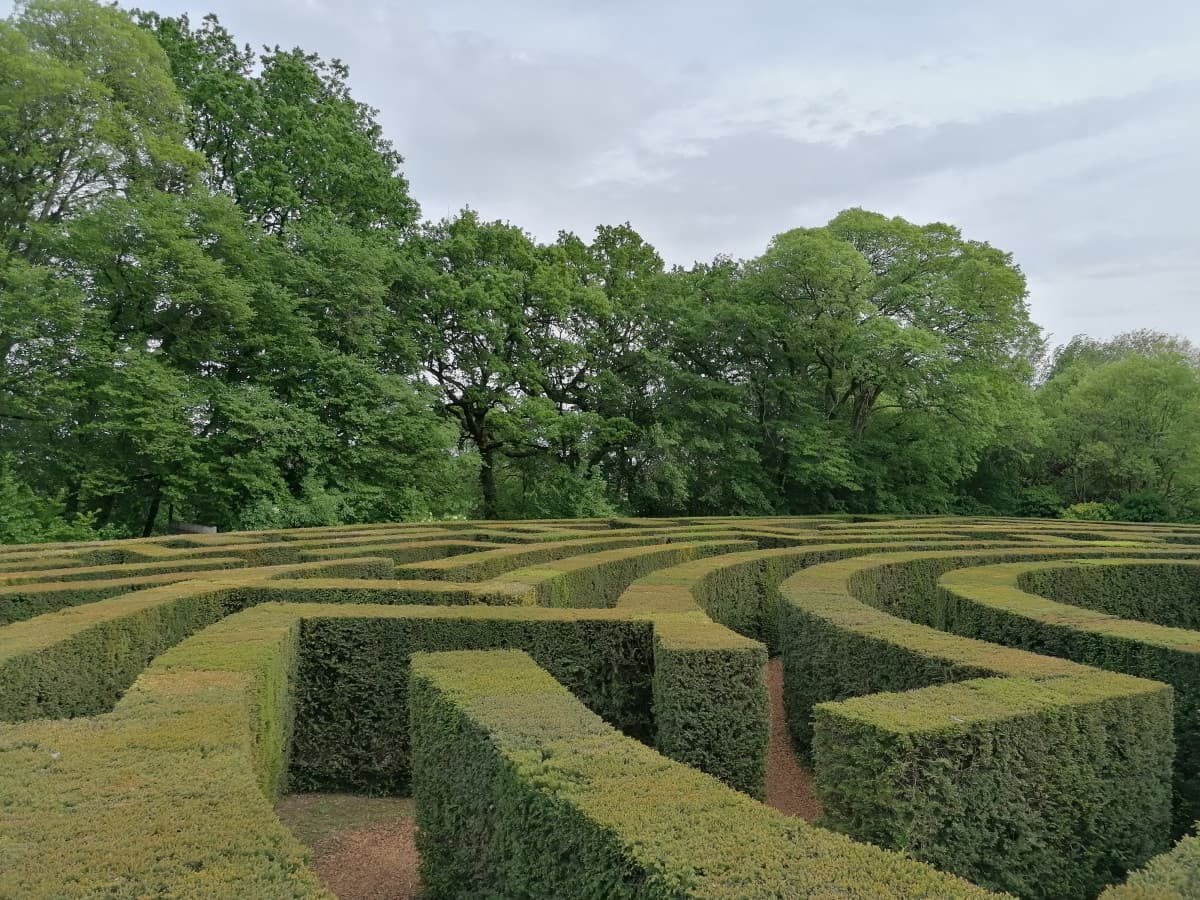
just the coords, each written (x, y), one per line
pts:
(1123, 419)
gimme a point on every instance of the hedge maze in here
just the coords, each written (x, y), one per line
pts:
(579, 708)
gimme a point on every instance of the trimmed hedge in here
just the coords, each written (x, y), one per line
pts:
(67, 669)
(599, 579)
(741, 590)
(711, 709)
(1043, 788)
(837, 647)
(401, 552)
(1171, 876)
(78, 661)
(1162, 593)
(163, 797)
(306, 690)
(486, 564)
(987, 602)
(125, 570)
(352, 701)
(522, 792)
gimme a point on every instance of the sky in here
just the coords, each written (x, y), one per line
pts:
(1064, 132)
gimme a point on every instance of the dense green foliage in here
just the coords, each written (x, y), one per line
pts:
(1054, 749)
(903, 768)
(352, 736)
(218, 304)
(1171, 876)
(204, 674)
(518, 784)
(1071, 612)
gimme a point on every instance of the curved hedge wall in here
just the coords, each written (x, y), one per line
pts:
(580, 707)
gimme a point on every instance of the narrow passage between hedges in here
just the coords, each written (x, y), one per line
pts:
(789, 784)
(362, 848)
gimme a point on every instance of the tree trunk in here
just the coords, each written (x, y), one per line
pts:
(106, 509)
(152, 513)
(487, 482)
(72, 507)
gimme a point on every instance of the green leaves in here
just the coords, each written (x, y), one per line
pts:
(281, 132)
(1123, 418)
(215, 296)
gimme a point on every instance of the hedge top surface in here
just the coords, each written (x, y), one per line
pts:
(996, 586)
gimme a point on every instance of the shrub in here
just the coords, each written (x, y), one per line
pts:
(991, 602)
(876, 755)
(518, 785)
(1031, 773)
(1143, 506)
(1040, 502)
(1089, 512)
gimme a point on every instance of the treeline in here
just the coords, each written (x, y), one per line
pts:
(218, 304)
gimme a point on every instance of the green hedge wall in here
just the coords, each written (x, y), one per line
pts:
(987, 603)
(77, 661)
(598, 579)
(958, 773)
(1048, 788)
(710, 701)
(352, 695)
(837, 647)
(1163, 593)
(1171, 876)
(522, 792)
(170, 794)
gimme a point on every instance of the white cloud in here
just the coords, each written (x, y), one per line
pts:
(1065, 132)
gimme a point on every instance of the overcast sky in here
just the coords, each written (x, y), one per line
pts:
(1065, 132)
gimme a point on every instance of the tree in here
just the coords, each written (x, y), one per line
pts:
(281, 132)
(192, 281)
(880, 359)
(87, 109)
(1123, 420)
(485, 300)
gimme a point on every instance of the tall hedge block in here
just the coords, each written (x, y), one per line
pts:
(352, 688)
(711, 708)
(1046, 789)
(521, 792)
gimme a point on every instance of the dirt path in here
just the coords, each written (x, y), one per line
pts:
(362, 848)
(378, 862)
(789, 785)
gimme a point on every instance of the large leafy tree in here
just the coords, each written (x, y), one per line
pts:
(1123, 417)
(197, 245)
(873, 361)
(88, 116)
(495, 317)
(281, 132)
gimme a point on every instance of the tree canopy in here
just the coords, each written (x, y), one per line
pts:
(219, 303)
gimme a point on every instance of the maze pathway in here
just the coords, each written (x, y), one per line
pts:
(580, 708)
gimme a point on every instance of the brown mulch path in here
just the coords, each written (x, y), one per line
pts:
(376, 862)
(789, 784)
